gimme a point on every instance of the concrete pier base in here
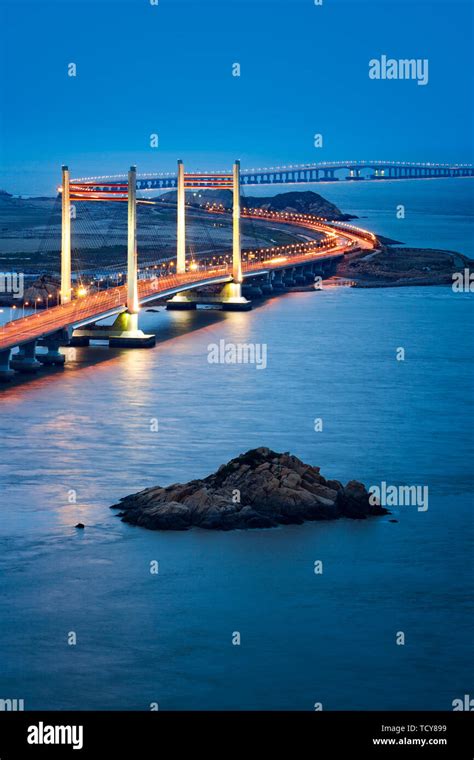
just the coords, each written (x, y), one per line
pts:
(53, 358)
(52, 342)
(25, 360)
(125, 333)
(181, 302)
(232, 298)
(6, 374)
(229, 299)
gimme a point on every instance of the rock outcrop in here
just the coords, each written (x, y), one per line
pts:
(259, 489)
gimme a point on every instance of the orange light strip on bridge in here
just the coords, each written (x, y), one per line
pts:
(111, 200)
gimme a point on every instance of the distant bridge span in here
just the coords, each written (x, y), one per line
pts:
(322, 171)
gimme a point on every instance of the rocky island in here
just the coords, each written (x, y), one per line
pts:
(258, 489)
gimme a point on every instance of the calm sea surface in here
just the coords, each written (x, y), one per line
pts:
(305, 638)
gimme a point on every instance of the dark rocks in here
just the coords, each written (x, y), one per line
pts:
(259, 489)
(81, 526)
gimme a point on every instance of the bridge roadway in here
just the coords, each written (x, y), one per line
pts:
(94, 307)
(288, 174)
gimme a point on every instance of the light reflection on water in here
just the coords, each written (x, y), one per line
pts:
(304, 638)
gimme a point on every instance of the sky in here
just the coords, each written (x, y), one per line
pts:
(166, 69)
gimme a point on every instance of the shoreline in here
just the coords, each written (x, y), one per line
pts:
(393, 266)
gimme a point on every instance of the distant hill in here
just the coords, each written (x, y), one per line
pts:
(305, 202)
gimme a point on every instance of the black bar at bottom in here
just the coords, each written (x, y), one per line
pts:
(145, 735)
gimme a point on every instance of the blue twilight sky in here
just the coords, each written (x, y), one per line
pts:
(167, 69)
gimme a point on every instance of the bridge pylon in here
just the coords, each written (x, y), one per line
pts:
(132, 257)
(124, 333)
(181, 222)
(236, 247)
(66, 286)
(232, 299)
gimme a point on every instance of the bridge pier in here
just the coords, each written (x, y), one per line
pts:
(308, 273)
(6, 374)
(266, 287)
(299, 277)
(252, 291)
(232, 298)
(289, 277)
(54, 357)
(277, 280)
(125, 333)
(183, 301)
(25, 360)
(354, 173)
(229, 299)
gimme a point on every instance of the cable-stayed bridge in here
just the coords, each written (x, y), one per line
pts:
(185, 281)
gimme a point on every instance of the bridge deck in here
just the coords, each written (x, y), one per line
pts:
(113, 300)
